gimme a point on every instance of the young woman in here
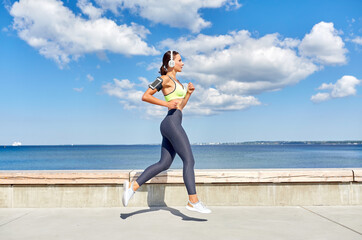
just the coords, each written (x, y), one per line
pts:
(175, 139)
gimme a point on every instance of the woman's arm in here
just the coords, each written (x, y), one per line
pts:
(148, 97)
(190, 89)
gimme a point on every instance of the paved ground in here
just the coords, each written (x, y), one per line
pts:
(305, 223)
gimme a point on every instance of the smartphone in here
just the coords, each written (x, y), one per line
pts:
(157, 84)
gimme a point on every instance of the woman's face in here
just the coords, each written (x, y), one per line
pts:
(178, 63)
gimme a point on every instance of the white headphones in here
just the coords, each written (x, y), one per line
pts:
(171, 63)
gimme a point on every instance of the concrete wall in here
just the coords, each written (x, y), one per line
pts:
(215, 187)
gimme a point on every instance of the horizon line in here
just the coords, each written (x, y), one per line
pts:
(200, 143)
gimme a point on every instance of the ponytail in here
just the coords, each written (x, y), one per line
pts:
(163, 70)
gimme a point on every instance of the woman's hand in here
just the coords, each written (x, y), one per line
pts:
(190, 88)
(172, 104)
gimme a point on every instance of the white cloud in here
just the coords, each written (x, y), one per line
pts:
(323, 44)
(111, 5)
(357, 40)
(7, 4)
(326, 86)
(208, 101)
(131, 98)
(346, 86)
(203, 101)
(88, 9)
(320, 97)
(154, 65)
(232, 5)
(90, 77)
(60, 35)
(175, 13)
(144, 82)
(240, 64)
(200, 44)
(228, 70)
(78, 89)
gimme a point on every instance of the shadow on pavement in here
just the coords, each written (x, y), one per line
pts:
(156, 196)
(174, 211)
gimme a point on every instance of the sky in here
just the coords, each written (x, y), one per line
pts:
(74, 72)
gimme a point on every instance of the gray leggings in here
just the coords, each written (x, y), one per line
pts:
(174, 141)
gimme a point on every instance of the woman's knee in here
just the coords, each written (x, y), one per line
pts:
(189, 162)
(166, 166)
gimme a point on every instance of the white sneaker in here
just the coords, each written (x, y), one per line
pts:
(127, 193)
(198, 207)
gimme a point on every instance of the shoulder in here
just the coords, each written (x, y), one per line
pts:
(165, 79)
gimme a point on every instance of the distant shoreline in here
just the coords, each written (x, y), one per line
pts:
(288, 143)
(347, 142)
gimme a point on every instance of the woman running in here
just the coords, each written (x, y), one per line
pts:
(174, 136)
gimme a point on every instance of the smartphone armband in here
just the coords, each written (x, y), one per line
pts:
(157, 84)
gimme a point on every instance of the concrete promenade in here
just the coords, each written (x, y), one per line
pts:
(225, 222)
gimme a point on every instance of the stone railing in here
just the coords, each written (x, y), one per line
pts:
(250, 187)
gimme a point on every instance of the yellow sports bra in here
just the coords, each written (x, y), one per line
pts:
(178, 92)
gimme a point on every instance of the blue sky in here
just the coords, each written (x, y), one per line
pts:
(74, 72)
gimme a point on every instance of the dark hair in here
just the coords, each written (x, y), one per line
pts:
(165, 59)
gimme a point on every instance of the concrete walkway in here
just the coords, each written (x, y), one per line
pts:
(303, 222)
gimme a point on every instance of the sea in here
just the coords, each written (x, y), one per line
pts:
(101, 157)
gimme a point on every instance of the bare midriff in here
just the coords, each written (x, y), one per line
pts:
(178, 100)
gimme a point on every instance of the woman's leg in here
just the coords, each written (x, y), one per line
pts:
(175, 133)
(183, 148)
(167, 155)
